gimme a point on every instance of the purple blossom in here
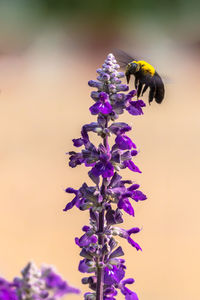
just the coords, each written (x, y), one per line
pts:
(125, 204)
(78, 142)
(113, 275)
(56, 284)
(35, 284)
(109, 196)
(104, 168)
(135, 107)
(130, 164)
(126, 234)
(7, 290)
(136, 194)
(119, 128)
(102, 105)
(124, 142)
(74, 201)
(125, 291)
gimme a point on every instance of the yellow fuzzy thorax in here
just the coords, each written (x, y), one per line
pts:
(146, 68)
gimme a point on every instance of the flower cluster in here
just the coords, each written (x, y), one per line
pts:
(109, 195)
(35, 284)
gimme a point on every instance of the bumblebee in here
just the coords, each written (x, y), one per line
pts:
(145, 76)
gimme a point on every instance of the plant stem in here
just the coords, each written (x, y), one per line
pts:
(100, 269)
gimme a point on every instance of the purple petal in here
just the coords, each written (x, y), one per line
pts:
(138, 196)
(86, 228)
(78, 142)
(124, 142)
(83, 268)
(105, 108)
(126, 206)
(131, 296)
(119, 128)
(71, 204)
(134, 152)
(133, 230)
(131, 94)
(133, 187)
(94, 109)
(130, 164)
(134, 107)
(108, 171)
(134, 244)
(113, 276)
(103, 96)
(71, 191)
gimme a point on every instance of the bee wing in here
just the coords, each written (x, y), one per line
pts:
(122, 57)
(160, 89)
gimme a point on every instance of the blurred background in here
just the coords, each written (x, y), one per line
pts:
(48, 51)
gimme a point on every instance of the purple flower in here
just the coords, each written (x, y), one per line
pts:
(124, 142)
(113, 275)
(103, 168)
(125, 204)
(136, 195)
(75, 159)
(125, 291)
(119, 128)
(78, 142)
(135, 107)
(126, 234)
(130, 164)
(102, 105)
(7, 290)
(85, 266)
(55, 283)
(74, 201)
(39, 284)
(86, 240)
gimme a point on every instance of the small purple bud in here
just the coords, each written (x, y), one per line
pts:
(94, 95)
(134, 187)
(78, 142)
(105, 77)
(118, 97)
(122, 87)
(86, 228)
(112, 88)
(97, 84)
(134, 152)
(133, 230)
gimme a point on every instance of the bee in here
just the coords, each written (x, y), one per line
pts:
(145, 76)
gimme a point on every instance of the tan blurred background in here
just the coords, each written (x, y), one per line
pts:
(49, 50)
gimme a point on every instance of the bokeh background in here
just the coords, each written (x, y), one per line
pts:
(48, 51)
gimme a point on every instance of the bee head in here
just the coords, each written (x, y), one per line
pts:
(131, 68)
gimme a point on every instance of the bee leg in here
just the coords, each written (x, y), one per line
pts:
(139, 89)
(136, 82)
(151, 93)
(144, 89)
